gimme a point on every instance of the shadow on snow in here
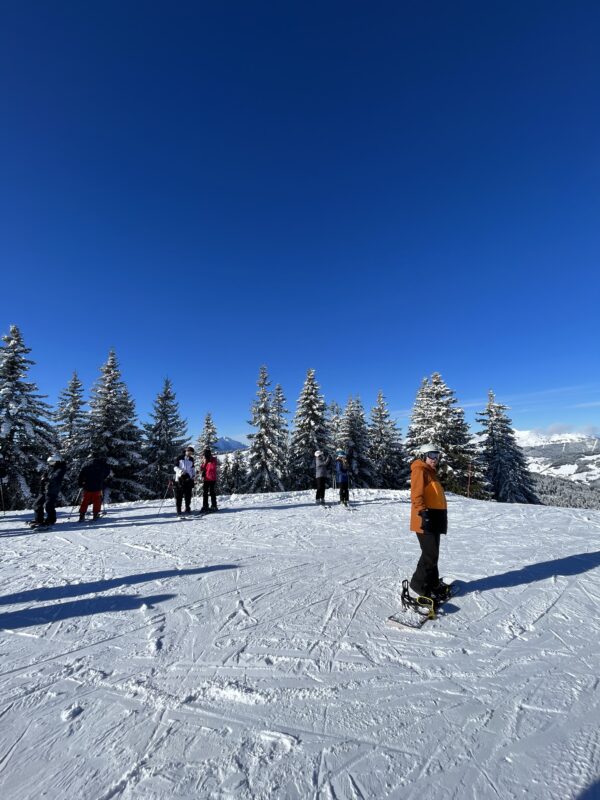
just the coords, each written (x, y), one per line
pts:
(570, 565)
(45, 593)
(45, 615)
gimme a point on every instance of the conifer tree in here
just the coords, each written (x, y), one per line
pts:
(238, 472)
(503, 460)
(385, 448)
(71, 424)
(309, 433)
(114, 433)
(208, 436)
(263, 452)
(437, 418)
(26, 436)
(164, 438)
(281, 435)
(334, 424)
(224, 486)
(355, 441)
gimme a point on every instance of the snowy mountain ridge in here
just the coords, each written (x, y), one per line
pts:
(227, 445)
(572, 456)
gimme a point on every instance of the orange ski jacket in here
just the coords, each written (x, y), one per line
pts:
(426, 492)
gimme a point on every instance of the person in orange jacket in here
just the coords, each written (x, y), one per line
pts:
(429, 520)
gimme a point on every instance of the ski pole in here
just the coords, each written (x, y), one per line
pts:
(2, 496)
(169, 484)
(75, 504)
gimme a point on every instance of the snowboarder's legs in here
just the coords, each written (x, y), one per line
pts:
(426, 576)
(320, 498)
(95, 498)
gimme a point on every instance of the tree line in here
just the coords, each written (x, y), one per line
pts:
(280, 456)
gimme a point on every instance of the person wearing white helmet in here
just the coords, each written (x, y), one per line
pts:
(49, 491)
(322, 465)
(428, 519)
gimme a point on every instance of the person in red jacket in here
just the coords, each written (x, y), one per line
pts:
(209, 473)
(428, 519)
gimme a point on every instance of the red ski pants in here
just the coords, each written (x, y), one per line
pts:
(95, 498)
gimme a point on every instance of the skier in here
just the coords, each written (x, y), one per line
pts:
(92, 479)
(322, 465)
(49, 491)
(209, 473)
(341, 476)
(428, 519)
(185, 475)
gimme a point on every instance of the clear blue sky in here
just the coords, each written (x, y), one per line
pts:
(375, 190)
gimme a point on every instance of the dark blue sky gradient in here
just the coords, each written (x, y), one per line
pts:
(377, 191)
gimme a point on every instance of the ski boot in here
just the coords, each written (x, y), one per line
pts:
(442, 592)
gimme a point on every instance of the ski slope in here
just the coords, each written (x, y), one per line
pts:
(246, 655)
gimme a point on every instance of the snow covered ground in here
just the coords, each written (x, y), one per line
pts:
(246, 655)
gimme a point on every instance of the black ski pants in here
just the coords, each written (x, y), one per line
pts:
(47, 502)
(320, 488)
(426, 576)
(344, 493)
(209, 488)
(181, 493)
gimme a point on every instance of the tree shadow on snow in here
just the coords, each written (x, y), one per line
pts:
(570, 565)
(45, 593)
(592, 793)
(108, 521)
(44, 615)
(284, 507)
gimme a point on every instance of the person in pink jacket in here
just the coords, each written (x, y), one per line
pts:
(209, 473)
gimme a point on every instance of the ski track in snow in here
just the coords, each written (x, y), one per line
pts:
(246, 654)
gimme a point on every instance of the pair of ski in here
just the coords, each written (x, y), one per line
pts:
(193, 515)
(46, 526)
(416, 611)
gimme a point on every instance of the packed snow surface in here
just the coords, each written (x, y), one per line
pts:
(246, 654)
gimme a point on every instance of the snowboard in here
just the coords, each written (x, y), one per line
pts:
(415, 615)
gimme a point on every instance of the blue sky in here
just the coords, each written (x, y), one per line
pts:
(377, 191)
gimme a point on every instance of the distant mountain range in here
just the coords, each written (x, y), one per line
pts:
(572, 456)
(227, 445)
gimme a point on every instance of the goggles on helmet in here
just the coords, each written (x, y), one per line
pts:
(434, 455)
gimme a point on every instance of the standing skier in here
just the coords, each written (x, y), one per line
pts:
(322, 465)
(341, 476)
(185, 474)
(428, 519)
(209, 473)
(92, 478)
(49, 491)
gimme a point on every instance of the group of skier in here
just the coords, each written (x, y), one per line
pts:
(323, 465)
(428, 519)
(92, 480)
(185, 479)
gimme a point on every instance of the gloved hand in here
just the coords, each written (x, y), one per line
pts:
(425, 520)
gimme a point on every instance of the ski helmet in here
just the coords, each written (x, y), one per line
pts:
(428, 447)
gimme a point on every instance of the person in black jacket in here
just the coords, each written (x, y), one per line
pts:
(49, 491)
(92, 479)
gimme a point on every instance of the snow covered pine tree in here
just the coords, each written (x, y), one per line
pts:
(504, 463)
(26, 435)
